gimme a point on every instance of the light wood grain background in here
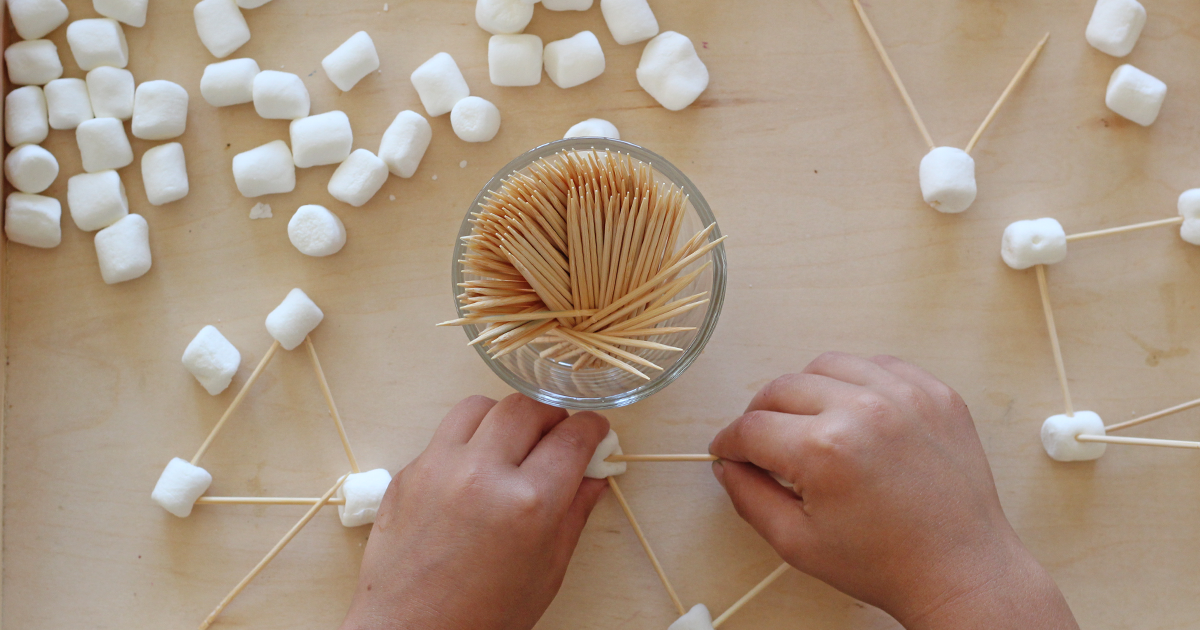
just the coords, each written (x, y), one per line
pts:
(808, 158)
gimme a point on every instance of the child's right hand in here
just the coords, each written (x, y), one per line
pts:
(894, 502)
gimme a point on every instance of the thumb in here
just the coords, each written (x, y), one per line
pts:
(775, 512)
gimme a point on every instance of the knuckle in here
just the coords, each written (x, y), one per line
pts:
(573, 438)
(526, 499)
(478, 399)
(779, 388)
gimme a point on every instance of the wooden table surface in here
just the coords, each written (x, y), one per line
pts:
(808, 157)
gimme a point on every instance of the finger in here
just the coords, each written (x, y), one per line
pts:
(768, 439)
(585, 500)
(460, 424)
(510, 429)
(801, 394)
(851, 369)
(775, 512)
(915, 375)
(558, 461)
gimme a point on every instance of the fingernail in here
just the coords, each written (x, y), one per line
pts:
(719, 471)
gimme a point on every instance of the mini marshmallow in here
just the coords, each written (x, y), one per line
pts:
(567, 5)
(103, 145)
(265, 170)
(515, 60)
(629, 21)
(321, 139)
(123, 249)
(1036, 242)
(68, 103)
(110, 91)
(33, 62)
(131, 12)
(698, 618)
(440, 84)
(293, 319)
(316, 231)
(30, 168)
(350, 62)
(594, 127)
(98, 42)
(363, 493)
(1115, 26)
(279, 95)
(1058, 436)
(159, 111)
(164, 174)
(597, 468)
(96, 200)
(1189, 209)
(948, 179)
(179, 486)
(229, 82)
(221, 26)
(35, 19)
(671, 71)
(1135, 95)
(261, 211)
(212, 359)
(501, 17)
(475, 119)
(404, 143)
(575, 60)
(26, 120)
(358, 178)
(33, 220)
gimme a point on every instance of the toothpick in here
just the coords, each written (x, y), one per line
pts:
(751, 595)
(612, 483)
(337, 418)
(1127, 228)
(517, 317)
(1153, 416)
(1058, 359)
(237, 400)
(887, 62)
(662, 458)
(1112, 439)
(1008, 90)
(265, 501)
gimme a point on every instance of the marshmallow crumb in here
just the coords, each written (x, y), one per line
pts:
(385, 6)
(391, 197)
(462, 164)
(260, 211)
(435, 178)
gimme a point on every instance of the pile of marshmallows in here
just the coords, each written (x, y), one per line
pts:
(213, 361)
(95, 107)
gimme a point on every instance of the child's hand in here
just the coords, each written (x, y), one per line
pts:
(476, 532)
(894, 502)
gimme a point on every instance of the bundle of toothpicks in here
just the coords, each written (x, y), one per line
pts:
(579, 253)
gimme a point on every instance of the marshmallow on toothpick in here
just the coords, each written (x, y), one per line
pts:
(34, 19)
(280, 95)
(404, 143)
(26, 119)
(671, 71)
(103, 145)
(1135, 95)
(229, 82)
(358, 178)
(475, 119)
(593, 128)
(111, 92)
(212, 359)
(597, 468)
(315, 231)
(321, 139)
(164, 174)
(98, 42)
(440, 84)
(575, 60)
(629, 21)
(33, 220)
(350, 62)
(698, 618)
(1189, 209)
(363, 493)
(123, 249)
(1115, 26)
(221, 26)
(1059, 432)
(131, 12)
(293, 319)
(179, 486)
(96, 200)
(1033, 242)
(33, 62)
(948, 179)
(30, 168)
(159, 111)
(265, 170)
(515, 60)
(501, 17)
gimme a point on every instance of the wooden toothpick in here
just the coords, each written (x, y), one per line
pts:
(1125, 228)
(1058, 359)
(887, 62)
(1112, 439)
(662, 458)
(237, 400)
(1153, 416)
(612, 483)
(1008, 90)
(337, 418)
(265, 501)
(760, 587)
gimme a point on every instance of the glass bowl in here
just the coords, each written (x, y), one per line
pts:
(555, 383)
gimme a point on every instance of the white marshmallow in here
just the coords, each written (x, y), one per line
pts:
(33, 62)
(363, 493)
(1115, 26)
(350, 62)
(948, 179)
(1135, 94)
(68, 103)
(1189, 209)
(594, 127)
(34, 19)
(212, 359)
(30, 168)
(1036, 242)
(575, 60)
(131, 12)
(251, 4)
(629, 21)
(221, 26)
(179, 486)
(261, 211)
(316, 231)
(1058, 436)
(103, 145)
(515, 60)
(358, 178)
(265, 170)
(597, 468)
(501, 17)
(279, 95)
(440, 84)
(26, 120)
(98, 42)
(229, 82)
(567, 5)
(293, 319)
(111, 92)
(475, 119)
(321, 139)
(33, 220)
(671, 71)
(96, 200)
(123, 249)
(159, 111)
(698, 618)
(404, 143)
(164, 174)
